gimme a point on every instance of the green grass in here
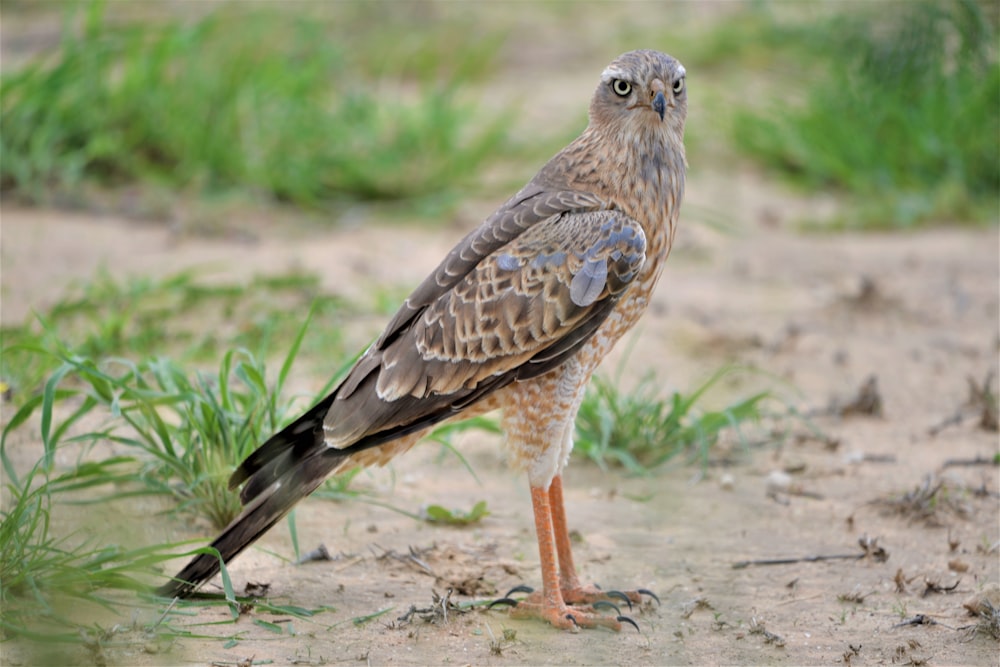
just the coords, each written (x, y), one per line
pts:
(32, 560)
(641, 430)
(188, 431)
(180, 315)
(296, 107)
(69, 594)
(49, 581)
(456, 517)
(897, 111)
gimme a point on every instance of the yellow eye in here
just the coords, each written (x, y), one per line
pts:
(621, 88)
(678, 86)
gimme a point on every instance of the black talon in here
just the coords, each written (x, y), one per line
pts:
(572, 618)
(626, 619)
(605, 604)
(644, 591)
(618, 595)
(507, 599)
(511, 601)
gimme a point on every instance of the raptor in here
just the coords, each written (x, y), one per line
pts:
(516, 317)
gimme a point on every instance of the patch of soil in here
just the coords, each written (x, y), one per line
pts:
(901, 479)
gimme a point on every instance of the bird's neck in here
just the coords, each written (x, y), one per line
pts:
(640, 171)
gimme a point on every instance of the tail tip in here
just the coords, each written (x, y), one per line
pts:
(175, 588)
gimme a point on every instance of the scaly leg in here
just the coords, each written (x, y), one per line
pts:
(549, 604)
(569, 583)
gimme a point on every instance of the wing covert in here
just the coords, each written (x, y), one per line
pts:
(532, 205)
(515, 304)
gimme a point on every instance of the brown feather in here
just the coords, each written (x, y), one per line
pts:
(516, 316)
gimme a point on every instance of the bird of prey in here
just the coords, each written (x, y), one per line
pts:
(517, 317)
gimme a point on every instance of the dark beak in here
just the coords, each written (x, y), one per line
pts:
(660, 104)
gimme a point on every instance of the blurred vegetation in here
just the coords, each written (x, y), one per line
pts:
(640, 430)
(897, 110)
(68, 592)
(893, 111)
(180, 315)
(188, 430)
(299, 109)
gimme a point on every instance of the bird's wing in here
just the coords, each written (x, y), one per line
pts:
(538, 201)
(534, 204)
(512, 300)
(519, 311)
(523, 308)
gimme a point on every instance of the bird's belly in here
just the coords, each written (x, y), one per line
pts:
(539, 414)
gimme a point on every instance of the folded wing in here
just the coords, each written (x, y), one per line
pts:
(516, 298)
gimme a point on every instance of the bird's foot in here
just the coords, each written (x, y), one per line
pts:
(584, 614)
(588, 595)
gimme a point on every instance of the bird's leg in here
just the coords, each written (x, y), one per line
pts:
(549, 603)
(569, 583)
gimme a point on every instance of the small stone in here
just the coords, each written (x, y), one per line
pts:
(957, 565)
(983, 601)
(727, 482)
(778, 481)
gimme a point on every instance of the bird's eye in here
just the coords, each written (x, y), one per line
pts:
(622, 88)
(678, 86)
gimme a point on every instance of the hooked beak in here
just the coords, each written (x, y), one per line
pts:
(659, 104)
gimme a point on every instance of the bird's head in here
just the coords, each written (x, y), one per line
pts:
(641, 91)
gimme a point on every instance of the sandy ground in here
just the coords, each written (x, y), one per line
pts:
(821, 314)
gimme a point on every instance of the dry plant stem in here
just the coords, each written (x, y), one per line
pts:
(739, 565)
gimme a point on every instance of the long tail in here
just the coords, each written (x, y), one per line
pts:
(286, 469)
(290, 465)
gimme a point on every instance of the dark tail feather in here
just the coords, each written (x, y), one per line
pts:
(269, 506)
(301, 435)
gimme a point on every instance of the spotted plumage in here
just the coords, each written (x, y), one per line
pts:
(517, 317)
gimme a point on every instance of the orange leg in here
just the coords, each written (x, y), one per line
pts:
(550, 605)
(568, 581)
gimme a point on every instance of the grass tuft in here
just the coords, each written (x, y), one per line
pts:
(141, 317)
(46, 578)
(902, 115)
(641, 430)
(249, 99)
(188, 431)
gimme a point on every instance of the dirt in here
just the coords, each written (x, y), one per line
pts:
(876, 473)
(884, 487)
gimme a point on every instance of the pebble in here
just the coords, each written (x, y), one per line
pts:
(778, 481)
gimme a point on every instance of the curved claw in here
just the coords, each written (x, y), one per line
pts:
(511, 601)
(645, 591)
(626, 619)
(573, 618)
(606, 604)
(618, 595)
(508, 600)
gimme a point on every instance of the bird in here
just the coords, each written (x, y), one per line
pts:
(517, 317)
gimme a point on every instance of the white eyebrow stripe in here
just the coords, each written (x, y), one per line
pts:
(611, 73)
